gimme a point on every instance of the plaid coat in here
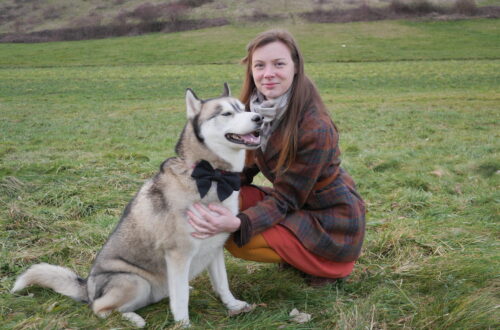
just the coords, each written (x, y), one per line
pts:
(314, 198)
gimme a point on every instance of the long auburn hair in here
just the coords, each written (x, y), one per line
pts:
(304, 93)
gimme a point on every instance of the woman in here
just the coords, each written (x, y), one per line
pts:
(312, 218)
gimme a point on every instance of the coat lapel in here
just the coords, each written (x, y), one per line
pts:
(267, 160)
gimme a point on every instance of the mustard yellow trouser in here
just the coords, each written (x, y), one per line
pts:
(256, 249)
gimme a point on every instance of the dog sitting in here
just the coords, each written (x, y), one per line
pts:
(151, 253)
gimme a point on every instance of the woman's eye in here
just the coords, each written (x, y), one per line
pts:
(280, 64)
(258, 66)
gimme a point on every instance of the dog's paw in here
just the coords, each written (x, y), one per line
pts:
(239, 307)
(136, 319)
(183, 324)
(103, 314)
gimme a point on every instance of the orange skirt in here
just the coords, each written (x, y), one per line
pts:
(280, 244)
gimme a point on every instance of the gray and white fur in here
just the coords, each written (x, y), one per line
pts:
(151, 254)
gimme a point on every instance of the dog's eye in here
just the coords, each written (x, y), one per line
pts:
(228, 113)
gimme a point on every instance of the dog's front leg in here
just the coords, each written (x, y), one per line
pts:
(218, 277)
(178, 286)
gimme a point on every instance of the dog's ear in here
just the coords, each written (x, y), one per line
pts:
(193, 104)
(227, 91)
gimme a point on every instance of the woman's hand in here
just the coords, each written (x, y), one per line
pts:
(212, 220)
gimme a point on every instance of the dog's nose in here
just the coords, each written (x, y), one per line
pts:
(257, 118)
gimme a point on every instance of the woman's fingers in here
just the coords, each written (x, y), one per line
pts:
(211, 220)
(198, 228)
(199, 235)
(199, 223)
(219, 209)
(206, 213)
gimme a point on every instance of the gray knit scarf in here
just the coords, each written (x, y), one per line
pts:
(272, 111)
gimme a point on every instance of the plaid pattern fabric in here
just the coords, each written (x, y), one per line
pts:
(329, 222)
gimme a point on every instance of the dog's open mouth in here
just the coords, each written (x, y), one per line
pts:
(251, 139)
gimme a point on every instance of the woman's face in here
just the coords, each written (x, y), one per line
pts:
(273, 69)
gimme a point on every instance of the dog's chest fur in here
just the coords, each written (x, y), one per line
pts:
(155, 222)
(181, 193)
(158, 213)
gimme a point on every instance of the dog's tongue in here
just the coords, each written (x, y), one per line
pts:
(250, 138)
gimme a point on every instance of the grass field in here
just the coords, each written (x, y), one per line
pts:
(417, 104)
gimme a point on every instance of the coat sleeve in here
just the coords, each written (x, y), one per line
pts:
(317, 149)
(248, 174)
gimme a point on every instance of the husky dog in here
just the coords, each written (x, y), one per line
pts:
(151, 254)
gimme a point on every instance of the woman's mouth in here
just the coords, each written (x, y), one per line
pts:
(269, 85)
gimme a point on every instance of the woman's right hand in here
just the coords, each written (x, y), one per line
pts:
(212, 220)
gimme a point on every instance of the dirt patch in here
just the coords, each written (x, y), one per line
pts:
(112, 30)
(367, 13)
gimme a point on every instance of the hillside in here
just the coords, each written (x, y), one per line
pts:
(53, 20)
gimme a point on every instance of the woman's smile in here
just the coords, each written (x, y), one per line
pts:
(273, 69)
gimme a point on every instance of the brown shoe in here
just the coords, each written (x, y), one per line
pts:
(319, 282)
(311, 280)
(283, 265)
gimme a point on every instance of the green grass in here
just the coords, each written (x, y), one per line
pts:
(85, 123)
(354, 42)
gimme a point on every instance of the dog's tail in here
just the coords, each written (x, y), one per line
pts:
(59, 279)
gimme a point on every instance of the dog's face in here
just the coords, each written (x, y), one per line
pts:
(224, 121)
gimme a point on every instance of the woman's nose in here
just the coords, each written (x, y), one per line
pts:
(268, 72)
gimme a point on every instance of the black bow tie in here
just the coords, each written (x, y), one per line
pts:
(227, 182)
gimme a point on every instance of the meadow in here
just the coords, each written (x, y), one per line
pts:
(84, 124)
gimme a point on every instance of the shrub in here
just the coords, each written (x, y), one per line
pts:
(121, 17)
(320, 4)
(174, 12)
(466, 7)
(18, 26)
(146, 12)
(150, 13)
(418, 7)
(361, 13)
(87, 21)
(112, 30)
(425, 7)
(52, 12)
(193, 3)
(399, 7)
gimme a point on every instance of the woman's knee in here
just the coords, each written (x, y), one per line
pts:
(234, 249)
(259, 254)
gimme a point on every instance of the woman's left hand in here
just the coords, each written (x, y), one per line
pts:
(212, 220)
